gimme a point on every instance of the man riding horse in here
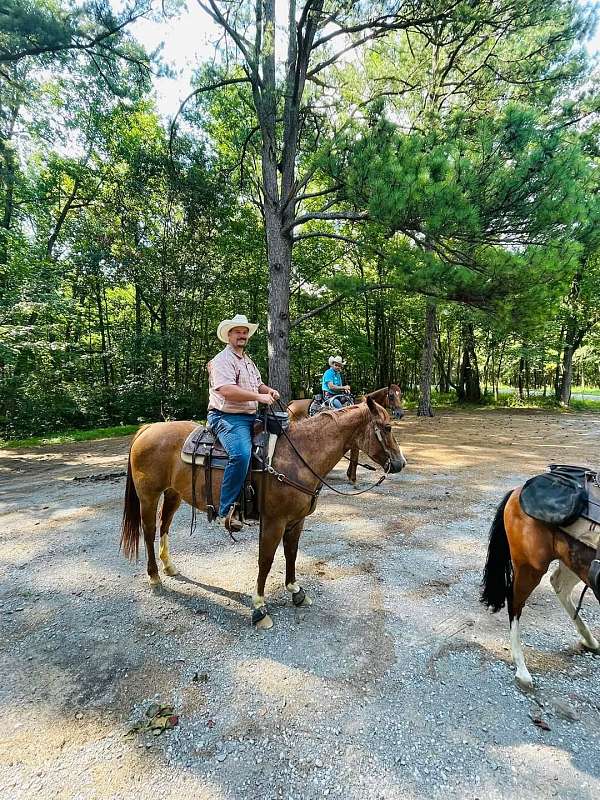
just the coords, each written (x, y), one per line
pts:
(235, 389)
(335, 392)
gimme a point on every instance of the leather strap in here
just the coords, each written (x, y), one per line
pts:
(211, 511)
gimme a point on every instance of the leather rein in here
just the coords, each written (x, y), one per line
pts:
(280, 476)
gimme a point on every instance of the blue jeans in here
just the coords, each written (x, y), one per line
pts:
(235, 434)
(337, 400)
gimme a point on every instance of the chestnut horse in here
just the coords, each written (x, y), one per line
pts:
(390, 398)
(155, 469)
(519, 554)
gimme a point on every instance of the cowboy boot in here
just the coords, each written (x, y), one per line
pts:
(232, 521)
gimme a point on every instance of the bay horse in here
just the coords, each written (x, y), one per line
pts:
(155, 469)
(389, 397)
(519, 553)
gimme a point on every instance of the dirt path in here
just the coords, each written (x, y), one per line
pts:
(396, 683)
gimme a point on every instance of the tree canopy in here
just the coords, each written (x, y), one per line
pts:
(413, 186)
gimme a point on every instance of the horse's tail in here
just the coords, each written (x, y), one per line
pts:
(132, 520)
(497, 583)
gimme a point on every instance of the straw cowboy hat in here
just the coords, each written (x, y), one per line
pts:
(336, 360)
(239, 321)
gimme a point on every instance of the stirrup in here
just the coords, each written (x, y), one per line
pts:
(232, 522)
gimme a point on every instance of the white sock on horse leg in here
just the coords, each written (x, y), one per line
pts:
(258, 600)
(293, 587)
(563, 582)
(522, 675)
(165, 555)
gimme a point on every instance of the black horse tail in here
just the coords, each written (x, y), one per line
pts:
(132, 520)
(497, 583)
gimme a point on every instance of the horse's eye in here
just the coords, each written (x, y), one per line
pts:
(388, 428)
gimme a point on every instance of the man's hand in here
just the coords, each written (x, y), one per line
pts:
(274, 394)
(265, 399)
(346, 389)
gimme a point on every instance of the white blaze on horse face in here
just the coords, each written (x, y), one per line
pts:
(523, 677)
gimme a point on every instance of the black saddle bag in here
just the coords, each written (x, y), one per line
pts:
(557, 497)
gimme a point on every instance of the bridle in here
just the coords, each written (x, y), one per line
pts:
(280, 476)
(384, 447)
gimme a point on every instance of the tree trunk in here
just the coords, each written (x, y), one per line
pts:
(279, 253)
(468, 384)
(137, 351)
(557, 374)
(573, 338)
(100, 309)
(427, 356)
(520, 377)
(164, 353)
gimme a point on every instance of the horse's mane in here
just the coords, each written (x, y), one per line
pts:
(309, 422)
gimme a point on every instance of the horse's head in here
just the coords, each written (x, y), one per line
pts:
(377, 440)
(394, 397)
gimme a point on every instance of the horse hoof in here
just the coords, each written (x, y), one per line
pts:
(264, 624)
(524, 682)
(591, 647)
(171, 570)
(300, 599)
(154, 581)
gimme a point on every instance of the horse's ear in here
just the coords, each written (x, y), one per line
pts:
(372, 405)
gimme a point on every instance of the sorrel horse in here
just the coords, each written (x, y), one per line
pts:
(389, 397)
(519, 553)
(155, 468)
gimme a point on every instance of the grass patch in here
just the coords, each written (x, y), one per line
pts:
(584, 405)
(64, 437)
(441, 401)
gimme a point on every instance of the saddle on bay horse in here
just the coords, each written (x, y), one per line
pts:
(320, 403)
(203, 449)
(568, 497)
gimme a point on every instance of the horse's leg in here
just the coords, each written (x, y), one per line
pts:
(526, 578)
(290, 548)
(148, 508)
(351, 471)
(171, 503)
(563, 582)
(270, 536)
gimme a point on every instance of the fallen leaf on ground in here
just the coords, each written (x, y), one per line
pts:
(540, 722)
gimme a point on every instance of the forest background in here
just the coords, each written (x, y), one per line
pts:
(411, 185)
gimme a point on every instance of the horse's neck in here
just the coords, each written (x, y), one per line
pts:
(380, 396)
(322, 446)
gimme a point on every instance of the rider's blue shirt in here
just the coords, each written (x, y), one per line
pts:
(331, 376)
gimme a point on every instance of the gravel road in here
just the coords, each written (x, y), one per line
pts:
(396, 683)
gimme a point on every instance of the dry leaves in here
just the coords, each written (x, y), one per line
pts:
(158, 719)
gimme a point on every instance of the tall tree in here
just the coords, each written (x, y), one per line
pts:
(319, 34)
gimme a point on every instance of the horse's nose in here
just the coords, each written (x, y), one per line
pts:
(397, 464)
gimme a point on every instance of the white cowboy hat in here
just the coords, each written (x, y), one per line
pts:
(239, 321)
(336, 360)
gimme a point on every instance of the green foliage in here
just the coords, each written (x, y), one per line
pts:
(472, 170)
(69, 436)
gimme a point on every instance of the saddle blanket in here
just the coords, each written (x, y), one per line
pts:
(202, 440)
(568, 497)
